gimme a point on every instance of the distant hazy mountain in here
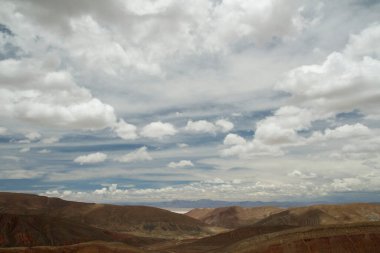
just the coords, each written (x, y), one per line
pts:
(208, 203)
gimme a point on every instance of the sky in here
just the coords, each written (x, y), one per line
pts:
(155, 100)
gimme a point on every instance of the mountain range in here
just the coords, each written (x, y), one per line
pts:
(209, 203)
(31, 223)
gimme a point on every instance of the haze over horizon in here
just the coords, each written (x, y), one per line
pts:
(116, 101)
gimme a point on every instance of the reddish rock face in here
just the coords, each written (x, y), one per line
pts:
(23, 239)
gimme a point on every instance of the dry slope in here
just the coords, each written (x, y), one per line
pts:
(324, 215)
(232, 216)
(36, 230)
(348, 238)
(140, 219)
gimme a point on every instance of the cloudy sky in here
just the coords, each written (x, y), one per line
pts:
(152, 100)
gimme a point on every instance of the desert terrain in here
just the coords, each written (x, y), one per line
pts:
(31, 223)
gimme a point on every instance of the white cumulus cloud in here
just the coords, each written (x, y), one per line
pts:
(48, 96)
(158, 130)
(224, 125)
(200, 126)
(204, 126)
(345, 81)
(125, 130)
(180, 164)
(140, 154)
(93, 158)
(234, 139)
(302, 175)
(342, 132)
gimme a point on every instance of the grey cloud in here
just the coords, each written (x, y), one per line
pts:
(5, 30)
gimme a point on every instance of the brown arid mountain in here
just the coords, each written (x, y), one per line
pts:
(347, 238)
(91, 247)
(141, 220)
(223, 240)
(343, 238)
(36, 230)
(232, 216)
(324, 215)
(30, 223)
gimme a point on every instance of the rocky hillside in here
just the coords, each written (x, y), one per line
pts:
(34, 230)
(91, 247)
(222, 240)
(137, 219)
(324, 215)
(232, 216)
(348, 238)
